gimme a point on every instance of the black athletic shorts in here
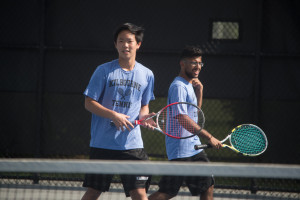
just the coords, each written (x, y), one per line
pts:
(101, 182)
(197, 185)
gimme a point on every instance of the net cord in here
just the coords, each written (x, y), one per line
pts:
(151, 167)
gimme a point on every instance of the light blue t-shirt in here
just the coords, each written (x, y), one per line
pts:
(181, 91)
(124, 92)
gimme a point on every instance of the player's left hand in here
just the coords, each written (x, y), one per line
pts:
(149, 124)
(197, 84)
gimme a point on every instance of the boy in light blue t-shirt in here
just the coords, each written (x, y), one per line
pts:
(119, 92)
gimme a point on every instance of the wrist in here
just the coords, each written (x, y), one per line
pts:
(112, 114)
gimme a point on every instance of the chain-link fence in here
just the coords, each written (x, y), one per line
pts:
(49, 50)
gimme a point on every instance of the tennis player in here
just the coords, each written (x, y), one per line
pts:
(119, 91)
(187, 88)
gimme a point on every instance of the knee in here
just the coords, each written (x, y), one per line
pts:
(138, 193)
(91, 194)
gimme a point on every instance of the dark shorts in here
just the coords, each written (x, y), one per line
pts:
(101, 182)
(196, 184)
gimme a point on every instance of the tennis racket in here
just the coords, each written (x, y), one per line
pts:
(246, 139)
(178, 120)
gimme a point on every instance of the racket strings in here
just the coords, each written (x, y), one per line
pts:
(168, 123)
(180, 122)
(248, 140)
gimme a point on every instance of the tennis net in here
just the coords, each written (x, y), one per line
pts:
(62, 179)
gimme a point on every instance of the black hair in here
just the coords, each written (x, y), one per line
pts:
(191, 52)
(134, 29)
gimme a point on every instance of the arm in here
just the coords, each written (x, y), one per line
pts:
(119, 119)
(204, 133)
(189, 124)
(198, 91)
(144, 112)
(215, 143)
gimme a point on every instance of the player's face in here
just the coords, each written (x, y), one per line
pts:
(192, 67)
(126, 45)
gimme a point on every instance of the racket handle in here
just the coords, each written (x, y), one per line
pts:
(134, 123)
(202, 146)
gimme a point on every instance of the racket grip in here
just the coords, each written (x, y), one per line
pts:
(202, 146)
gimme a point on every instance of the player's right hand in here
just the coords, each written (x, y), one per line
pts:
(121, 121)
(215, 143)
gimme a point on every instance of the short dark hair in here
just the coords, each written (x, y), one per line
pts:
(138, 31)
(191, 52)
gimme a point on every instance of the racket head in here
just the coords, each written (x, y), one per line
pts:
(180, 120)
(248, 139)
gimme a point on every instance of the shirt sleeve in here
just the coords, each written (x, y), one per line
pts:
(96, 84)
(178, 94)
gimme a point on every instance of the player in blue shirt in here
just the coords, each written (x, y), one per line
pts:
(119, 92)
(187, 88)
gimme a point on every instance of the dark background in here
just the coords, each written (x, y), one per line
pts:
(50, 48)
